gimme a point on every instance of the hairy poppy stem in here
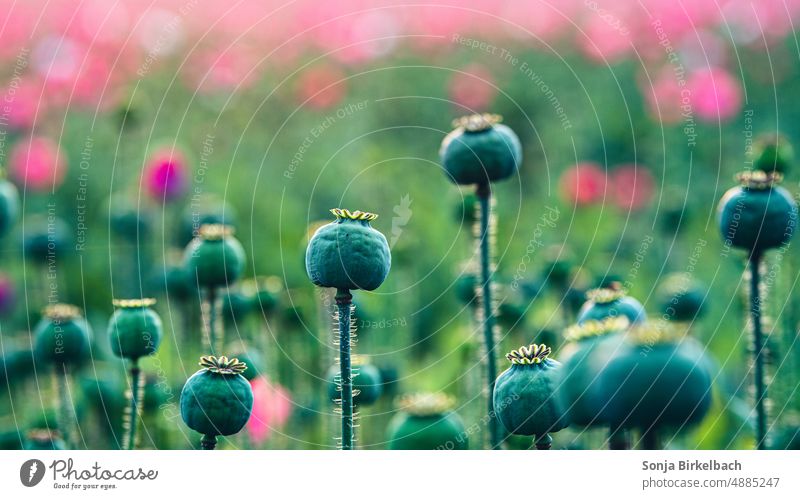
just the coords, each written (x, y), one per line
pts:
(758, 351)
(543, 442)
(343, 301)
(484, 194)
(65, 415)
(134, 396)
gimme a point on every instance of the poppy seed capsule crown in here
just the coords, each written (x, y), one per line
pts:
(480, 150)
(596, 328)
(426, 422)
(348, 253)
(425, 404)
(611, 301)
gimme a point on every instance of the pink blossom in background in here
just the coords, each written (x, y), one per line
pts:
(664, 96)
(583, 184)
(38, 164)
(472, 88)
(166, 175)
(23, 100)
(321, 86)
(605, 42)
(632, 187)
(716, 94)
(272, 407)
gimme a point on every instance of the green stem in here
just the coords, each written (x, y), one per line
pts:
(650, 440)
(134, 396)
(758, 352)
(343, 301)
(208, 442)
(64, 415)
(618, 439)
(214, 335)
(543, 442)
(484, 194)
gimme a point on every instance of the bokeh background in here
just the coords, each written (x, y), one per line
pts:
(634, 117)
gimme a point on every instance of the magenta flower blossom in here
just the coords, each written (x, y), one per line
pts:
(272, 407)
(38, 164)
(166, 176)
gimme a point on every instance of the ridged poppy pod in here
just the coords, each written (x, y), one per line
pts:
(758, 214)
(348, 253)
(135, 330)
(215, 258)
(9, 205)
(660, 381)
(367, 382)
(43, 439)
(62, 336)
(772, 153)
(525, 398)
(426, 421)
(217, 399)
(480, 150)
(591, 346)
(611, 301)
(681, 298)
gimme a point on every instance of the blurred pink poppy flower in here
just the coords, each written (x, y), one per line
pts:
(632, 187)
(7, 294)
(23, 100)
(665, 96)
(583, 183)
(272, 407)
(321, 87)
(166, 176)
(603, 41)
(473, 88)
(716, 94)
(38, 164)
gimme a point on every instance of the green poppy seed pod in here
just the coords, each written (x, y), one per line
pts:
(348, 253)
(367, 382)
(525, 398)
(264, 293)
(590, 347)
(45, 237)
(611, 301)
(16, 365)
(62, 336)
(772, 153)
(134, 330)
(658, 380)
(236, 306)
(215, 258)
(758, 214)
(681, 298)
(426, 422)
(128, 221)
(217, 400)
(9, 206)
(480, 150)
